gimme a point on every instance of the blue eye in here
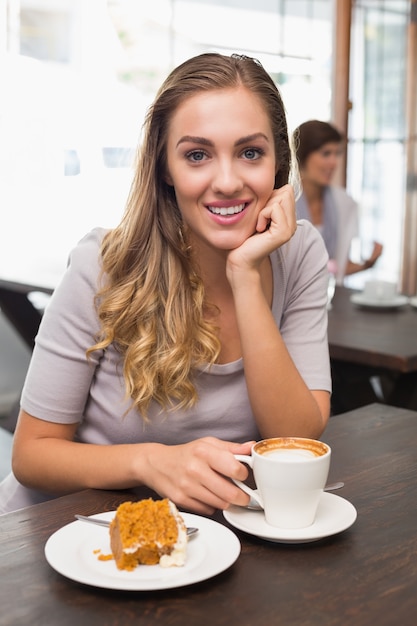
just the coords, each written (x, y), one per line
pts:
(252, 154)
(196, 155)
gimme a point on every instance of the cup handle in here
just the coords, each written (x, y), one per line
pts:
(256, 500)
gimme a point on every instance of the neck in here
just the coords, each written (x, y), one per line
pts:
(313, 194)
(211, 265)
(312, 191)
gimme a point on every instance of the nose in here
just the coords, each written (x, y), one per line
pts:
(227, 178)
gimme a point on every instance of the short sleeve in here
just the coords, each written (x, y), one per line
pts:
(59, 376)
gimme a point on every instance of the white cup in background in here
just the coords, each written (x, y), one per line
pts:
(290, 474)
(331, 288)
(380, 290)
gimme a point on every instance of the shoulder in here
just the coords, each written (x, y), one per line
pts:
(84, 265)
(304, 253)
(90, 244)
(306, 236)
(86, 255)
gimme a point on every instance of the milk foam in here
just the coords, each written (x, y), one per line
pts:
(290, 454)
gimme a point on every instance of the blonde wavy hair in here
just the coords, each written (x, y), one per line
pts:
(152, 305)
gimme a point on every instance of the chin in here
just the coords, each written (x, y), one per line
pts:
(230, 244)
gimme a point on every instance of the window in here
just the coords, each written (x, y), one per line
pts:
(77, 78)
(377, 128)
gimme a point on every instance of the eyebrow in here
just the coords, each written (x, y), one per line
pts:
(206, 142)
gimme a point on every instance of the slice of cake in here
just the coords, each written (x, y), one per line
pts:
(146, 533)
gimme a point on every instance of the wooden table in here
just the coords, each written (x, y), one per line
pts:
(366, 575)
(366, 343)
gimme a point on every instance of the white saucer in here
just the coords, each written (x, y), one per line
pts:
(413, 302)
(73, 551)
(334, 515)
(394, 303)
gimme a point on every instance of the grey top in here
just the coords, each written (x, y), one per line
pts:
(330, 227)
(63, 386)
(340, 225)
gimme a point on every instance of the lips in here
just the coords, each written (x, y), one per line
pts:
(230, 210)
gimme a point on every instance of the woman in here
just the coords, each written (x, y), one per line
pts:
(329, 208)
(197, 325)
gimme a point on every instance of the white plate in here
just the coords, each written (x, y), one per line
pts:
(413, 302)
(71, 551)
(334, 515)
(362, 300)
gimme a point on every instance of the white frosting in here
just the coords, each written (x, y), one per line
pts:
(179, 552)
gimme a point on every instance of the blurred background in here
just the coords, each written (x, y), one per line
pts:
(77, 76)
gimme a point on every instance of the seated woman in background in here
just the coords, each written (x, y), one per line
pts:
(194, 327)
(332, 211)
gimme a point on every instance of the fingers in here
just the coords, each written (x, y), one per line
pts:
(278, 215)
(207, 503)
(197, 475)
(276, 224)
(216, 493)
(377, 251)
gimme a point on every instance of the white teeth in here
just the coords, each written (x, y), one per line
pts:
(231, 210)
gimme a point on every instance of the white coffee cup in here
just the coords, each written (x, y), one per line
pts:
(380, 290)
(290, 474)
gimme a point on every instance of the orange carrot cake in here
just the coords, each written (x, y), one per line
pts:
(146, 533)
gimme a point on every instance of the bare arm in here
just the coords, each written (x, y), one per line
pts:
(46, 458)
(353, 268)
(280, 399)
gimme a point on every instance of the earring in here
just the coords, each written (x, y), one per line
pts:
(182, 237)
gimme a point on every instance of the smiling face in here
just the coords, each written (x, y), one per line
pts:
(221, 163)
(320, 165)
